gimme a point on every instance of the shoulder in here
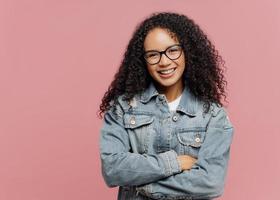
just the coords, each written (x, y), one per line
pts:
(219, 114)
(126, 104)
(116, 107)
(216, 109)
(121, 105)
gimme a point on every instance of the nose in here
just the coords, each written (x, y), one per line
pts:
(164, 60)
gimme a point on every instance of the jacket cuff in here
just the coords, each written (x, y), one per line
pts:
(171, 163)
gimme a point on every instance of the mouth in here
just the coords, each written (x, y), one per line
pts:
(166, 73)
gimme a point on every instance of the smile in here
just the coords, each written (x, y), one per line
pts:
(167, 71)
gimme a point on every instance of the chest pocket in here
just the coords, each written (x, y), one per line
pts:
(139, 127)
(189, 140)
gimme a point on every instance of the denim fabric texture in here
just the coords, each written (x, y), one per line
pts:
(140, 142)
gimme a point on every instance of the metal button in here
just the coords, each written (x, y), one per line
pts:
(161, 97)
(132, 120)
(197, 139)
(174, 118)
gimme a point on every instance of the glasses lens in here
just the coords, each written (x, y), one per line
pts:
(152, 57)
(174, 52)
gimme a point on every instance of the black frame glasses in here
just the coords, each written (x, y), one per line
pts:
(172, 52)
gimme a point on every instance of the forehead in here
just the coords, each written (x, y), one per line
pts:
(159, 39)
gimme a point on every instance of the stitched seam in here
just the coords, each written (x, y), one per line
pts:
(169, 165)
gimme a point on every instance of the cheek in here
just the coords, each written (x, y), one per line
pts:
(182, 63)
(151, 71)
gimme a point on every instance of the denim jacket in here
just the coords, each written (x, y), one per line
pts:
(140, 142)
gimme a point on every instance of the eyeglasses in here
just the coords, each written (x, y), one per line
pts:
(173, 52)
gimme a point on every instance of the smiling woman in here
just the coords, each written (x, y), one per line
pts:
(166, 134)
(166, 66)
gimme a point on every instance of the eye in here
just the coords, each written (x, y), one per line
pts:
(173, 50)
(151, 54)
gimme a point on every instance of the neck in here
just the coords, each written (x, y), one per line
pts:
(172, 92)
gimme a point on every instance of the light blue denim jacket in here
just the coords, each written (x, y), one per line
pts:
(140, 142)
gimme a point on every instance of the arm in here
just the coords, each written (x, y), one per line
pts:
(121, 167)
(206, 177)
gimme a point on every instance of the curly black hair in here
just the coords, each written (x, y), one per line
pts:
(203, 74)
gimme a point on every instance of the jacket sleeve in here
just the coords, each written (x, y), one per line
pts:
(207, 176)
(121, 167)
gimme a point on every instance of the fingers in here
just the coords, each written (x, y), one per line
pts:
(186, 161)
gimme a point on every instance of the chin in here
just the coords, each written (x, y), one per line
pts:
(167, 84)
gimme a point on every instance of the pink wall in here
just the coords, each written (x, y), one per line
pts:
(58, 57)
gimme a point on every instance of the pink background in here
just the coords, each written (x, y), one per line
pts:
(57, 58)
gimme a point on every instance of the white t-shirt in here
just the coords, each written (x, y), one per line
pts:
(173, 104)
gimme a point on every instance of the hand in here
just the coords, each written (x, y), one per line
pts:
(186, 161)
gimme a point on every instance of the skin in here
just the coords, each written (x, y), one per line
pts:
(160, 39)
(186, 161)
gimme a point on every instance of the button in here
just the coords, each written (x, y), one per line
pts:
(161, 97)
(197, 139)
(132, 120)
(174, 118)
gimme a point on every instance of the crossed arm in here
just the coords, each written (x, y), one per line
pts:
(167, 175)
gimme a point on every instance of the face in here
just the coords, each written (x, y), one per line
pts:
(166, 73)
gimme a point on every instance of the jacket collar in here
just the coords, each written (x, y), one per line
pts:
(150, 92)
(188, 103)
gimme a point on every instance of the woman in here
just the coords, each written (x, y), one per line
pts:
(166, 134)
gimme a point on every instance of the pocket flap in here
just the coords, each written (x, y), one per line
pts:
(191, 137)
(135, 121)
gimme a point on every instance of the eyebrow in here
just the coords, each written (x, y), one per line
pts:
(152, 50)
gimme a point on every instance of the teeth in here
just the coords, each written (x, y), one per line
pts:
(167, 71)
